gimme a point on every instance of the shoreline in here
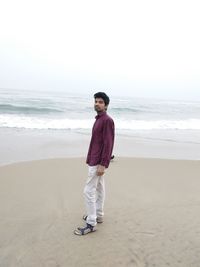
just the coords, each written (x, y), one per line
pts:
(24, 145)
(83, 159)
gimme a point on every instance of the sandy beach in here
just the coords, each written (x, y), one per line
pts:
(83, 81)
(151, 214)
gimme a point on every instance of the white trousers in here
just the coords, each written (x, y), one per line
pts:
(94, 193)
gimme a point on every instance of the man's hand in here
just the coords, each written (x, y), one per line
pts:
(100, 170)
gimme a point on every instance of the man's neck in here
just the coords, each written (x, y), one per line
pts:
(99, 112)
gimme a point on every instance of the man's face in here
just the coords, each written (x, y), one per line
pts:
(99, 105)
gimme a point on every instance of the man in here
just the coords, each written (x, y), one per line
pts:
(98, 159)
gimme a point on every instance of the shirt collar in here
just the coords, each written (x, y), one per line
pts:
(100, 114)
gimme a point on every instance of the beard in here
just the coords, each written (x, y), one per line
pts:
(98, 109)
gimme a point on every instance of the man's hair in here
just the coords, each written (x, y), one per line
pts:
(104, 96)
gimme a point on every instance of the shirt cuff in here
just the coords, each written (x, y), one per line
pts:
(104, 163)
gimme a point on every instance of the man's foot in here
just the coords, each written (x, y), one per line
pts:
(99, 219)
(85, 230)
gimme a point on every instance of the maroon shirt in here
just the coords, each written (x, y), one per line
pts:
(102, 141)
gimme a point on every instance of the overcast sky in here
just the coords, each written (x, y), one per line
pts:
(139, 48)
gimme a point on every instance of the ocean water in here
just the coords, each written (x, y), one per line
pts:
(64, 111)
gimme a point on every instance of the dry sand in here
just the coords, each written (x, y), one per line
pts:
(152, 214)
